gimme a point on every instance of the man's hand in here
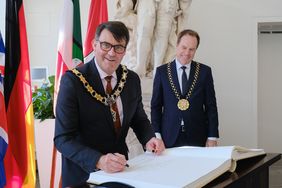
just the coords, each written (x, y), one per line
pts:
(211, 143)
(155, 145)
(112, 162)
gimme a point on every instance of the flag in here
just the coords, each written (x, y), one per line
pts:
(2, 55)
(3, 120)
(70, 42)
(3, 134)
(19, 160)
(98, 13)
(69, 55)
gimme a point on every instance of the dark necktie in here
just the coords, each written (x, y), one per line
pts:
(113, 106)
(184, 81)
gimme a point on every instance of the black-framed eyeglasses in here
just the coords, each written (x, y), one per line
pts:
(108, 46)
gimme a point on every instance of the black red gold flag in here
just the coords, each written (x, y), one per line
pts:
(19, 160)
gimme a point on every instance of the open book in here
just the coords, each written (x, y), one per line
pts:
(178, 167)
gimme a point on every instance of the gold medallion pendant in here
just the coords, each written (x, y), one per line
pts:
(183, 104)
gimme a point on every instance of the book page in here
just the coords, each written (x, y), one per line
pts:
(224, 152)
(174, 168)
(227, 152)
(243, 153)
(178, 167)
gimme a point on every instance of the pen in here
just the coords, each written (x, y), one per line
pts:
(127, 165)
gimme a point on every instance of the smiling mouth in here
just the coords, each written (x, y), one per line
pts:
(109, 59)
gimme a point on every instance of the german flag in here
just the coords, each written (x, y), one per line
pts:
(20, 156)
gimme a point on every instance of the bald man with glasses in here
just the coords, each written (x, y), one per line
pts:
(97, 103)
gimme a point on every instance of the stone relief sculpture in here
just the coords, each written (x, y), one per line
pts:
(153, 26)
(127, 14)
(183, 14)
(155, 19)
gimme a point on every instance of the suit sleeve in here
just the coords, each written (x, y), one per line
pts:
(67, 139)
(211, 106)
(157, 102)
(140, 122)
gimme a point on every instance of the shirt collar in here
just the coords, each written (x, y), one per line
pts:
(179, 65)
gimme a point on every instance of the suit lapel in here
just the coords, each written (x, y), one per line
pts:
(94, 79)
(192, 73)
(123, 96)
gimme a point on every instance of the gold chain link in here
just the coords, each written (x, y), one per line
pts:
(196, 75)
(109, 99)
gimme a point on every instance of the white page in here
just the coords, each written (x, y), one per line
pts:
(177, 167)
(243, 153)
(172, 169)
(224, 152)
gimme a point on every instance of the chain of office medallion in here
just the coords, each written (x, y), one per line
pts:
(196, 75)
(109, 99)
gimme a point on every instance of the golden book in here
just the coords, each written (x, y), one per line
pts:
(178, 167)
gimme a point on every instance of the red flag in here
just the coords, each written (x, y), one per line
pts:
(20, 157)
(98, 13)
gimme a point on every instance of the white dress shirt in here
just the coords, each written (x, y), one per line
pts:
(113, 84)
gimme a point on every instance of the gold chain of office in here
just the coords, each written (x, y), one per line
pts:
(109, 99)
(183, 104)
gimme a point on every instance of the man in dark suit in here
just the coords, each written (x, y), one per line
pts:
(183, 105)
(97, 103)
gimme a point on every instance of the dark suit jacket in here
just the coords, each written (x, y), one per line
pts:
(200, 119)
(84, 127)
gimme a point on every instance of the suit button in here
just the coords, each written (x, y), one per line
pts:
(182, 128)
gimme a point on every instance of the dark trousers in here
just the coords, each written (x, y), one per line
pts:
(182, 139)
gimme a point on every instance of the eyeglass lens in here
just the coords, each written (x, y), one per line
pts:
(107, 47)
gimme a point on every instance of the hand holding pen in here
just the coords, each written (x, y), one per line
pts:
(112, 162)
(155, 145)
